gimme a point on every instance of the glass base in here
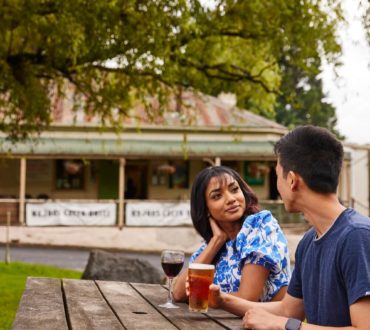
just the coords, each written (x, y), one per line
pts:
(199, 310)
(168, 305)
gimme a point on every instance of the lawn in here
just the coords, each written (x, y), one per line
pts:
(12, 282)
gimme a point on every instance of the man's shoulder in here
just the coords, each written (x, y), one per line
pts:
(354, 220)
(353, 227)
(358, 219)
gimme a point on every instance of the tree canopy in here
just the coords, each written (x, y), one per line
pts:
(302, 101)
(118, 52)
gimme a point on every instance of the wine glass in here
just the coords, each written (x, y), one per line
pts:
(172, 262)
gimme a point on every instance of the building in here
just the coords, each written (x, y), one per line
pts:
(77, 173)
(359, 177)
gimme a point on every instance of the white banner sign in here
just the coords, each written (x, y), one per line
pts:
(157, 214)
(71, 214)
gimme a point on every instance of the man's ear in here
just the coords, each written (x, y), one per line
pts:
(293, 180)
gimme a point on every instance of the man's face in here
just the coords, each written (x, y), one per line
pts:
(280, 178)
(284, 189)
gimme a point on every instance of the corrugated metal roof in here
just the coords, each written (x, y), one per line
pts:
(191, 109)
(211, 127)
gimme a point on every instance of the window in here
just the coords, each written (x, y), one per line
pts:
(180, 178)
(70, 174)
(173, 174)
(255, 172)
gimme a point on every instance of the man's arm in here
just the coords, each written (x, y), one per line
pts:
(288, 307)
(259, 318)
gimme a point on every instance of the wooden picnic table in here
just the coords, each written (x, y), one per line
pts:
(49, 303)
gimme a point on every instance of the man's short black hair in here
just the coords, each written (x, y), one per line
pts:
(315, 154)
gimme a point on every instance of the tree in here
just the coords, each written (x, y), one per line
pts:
(118, 52)
(366, 17)
(302, 100)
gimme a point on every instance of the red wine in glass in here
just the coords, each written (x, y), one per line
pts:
(172, 269)
(172, 262)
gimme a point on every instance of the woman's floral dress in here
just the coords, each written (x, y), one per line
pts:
(261, 242)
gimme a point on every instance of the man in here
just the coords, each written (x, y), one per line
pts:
(330, 285)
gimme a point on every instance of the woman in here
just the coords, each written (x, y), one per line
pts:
(247, 246)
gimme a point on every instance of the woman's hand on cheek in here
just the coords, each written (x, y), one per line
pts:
(217, 230)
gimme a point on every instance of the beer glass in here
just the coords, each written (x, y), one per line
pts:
(200, 277)
(172, 262)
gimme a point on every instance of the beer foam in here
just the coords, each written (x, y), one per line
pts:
(201, 266)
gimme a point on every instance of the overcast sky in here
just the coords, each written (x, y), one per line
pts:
(350, 92)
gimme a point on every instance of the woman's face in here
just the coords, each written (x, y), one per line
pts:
(225, 200)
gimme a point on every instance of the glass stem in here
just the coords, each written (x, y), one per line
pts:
(169, 298)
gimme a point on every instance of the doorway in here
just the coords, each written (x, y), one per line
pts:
(136, 180)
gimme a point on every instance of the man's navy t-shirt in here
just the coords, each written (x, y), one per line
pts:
(333, 272)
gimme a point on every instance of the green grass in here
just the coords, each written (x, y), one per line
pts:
(12, 283)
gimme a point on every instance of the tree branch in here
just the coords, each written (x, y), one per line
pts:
(228, 75)
(221, 33)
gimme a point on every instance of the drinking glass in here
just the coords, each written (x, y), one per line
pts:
(172, 262)
(200, 278)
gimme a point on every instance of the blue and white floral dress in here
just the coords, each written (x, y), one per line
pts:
(260, 242)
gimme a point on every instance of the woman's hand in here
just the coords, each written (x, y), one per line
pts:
(187, 286)
(217, 231)
(215, 298)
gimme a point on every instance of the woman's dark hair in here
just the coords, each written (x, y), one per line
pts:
(198, 204)
(315, 154)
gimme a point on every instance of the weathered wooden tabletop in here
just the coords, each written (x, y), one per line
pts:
(49, 303)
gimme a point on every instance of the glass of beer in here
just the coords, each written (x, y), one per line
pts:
(172, 262)
(200, 277)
